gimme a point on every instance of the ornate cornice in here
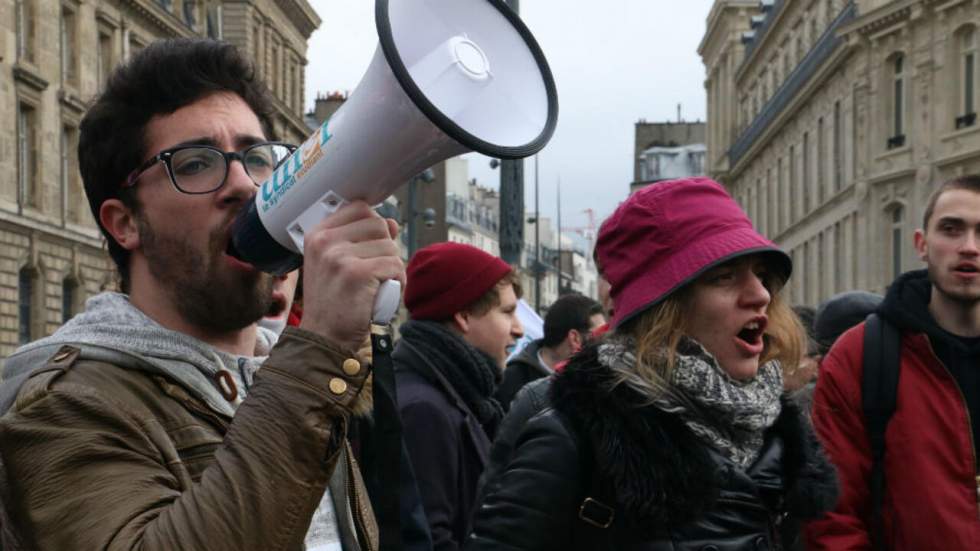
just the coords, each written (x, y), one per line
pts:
(717, 16)
(300, 14)
(30, 77)
(151, 12)
(881, 18)
(71, 101)
(105, 18)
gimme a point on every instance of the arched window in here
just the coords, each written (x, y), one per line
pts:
(967, 42)
(896, 69)
(898, 220)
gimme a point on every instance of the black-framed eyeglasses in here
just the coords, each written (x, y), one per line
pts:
(198, 169)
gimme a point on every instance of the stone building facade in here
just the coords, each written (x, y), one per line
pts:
(831, 121)
(54, 58)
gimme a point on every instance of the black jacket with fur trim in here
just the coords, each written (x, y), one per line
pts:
(600, 457)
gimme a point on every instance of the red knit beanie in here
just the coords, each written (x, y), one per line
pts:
(445, 278)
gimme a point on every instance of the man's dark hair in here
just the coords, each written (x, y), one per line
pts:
(807, 316)
(572, 311)
(160, 79)
(839, 313)
(970, 182)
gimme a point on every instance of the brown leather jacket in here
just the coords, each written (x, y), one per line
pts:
(99, 456)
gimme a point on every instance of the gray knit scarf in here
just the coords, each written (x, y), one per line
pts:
(730, 415)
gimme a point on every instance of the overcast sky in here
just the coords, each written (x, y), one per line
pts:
(614, 61)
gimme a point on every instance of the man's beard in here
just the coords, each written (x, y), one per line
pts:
(965, 296)
(215, 302)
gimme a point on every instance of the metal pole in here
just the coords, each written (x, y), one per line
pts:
(512, 199)
(537, 242)
(561, 277)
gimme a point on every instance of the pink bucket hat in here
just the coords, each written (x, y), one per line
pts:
(667, 234)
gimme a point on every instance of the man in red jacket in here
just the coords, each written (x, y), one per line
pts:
(932, 490)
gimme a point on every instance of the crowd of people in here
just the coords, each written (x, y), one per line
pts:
(690, 407)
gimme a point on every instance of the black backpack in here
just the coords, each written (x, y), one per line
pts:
(879, 393)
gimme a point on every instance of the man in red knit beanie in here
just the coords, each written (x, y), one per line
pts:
(462, 303)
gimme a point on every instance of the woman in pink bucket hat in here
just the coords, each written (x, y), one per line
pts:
(671, 432)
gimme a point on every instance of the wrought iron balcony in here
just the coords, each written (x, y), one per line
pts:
(896, 141)
(966, 120)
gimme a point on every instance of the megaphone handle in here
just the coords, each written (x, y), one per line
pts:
(386, 302)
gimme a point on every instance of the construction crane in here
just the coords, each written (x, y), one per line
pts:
(588, 231)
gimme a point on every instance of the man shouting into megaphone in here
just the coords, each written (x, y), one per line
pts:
(145, 422)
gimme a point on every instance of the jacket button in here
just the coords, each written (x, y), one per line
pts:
(338, 386)
(351, 366)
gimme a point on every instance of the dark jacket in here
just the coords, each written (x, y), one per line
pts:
(932, 491)
(408, 519)
(598, 456)
(101, 456)
(520, 370)
(446, 444)
(530, 401)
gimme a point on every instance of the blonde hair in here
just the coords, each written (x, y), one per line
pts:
(658, 333)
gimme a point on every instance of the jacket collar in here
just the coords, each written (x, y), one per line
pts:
(113, 330)
(530, 357)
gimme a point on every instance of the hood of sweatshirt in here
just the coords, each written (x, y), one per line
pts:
(112, 330)
(906, 305)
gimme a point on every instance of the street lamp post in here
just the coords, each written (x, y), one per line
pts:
(428, 215)
(511, 198)
(561, 272)
(537, 242)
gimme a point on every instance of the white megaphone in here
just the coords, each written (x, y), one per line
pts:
(449, 76)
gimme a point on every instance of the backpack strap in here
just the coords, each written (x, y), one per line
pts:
(879, 393)
(382, 447)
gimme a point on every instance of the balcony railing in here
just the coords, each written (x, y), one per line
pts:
(966, 120)
(896, 141)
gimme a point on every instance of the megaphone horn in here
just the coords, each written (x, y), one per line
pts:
(448, 77)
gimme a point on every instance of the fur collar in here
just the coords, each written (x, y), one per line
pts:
(657, 468)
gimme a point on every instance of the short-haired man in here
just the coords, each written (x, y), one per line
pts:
(145, 423)
(462, 302)
(931, 491)
(568, 324)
